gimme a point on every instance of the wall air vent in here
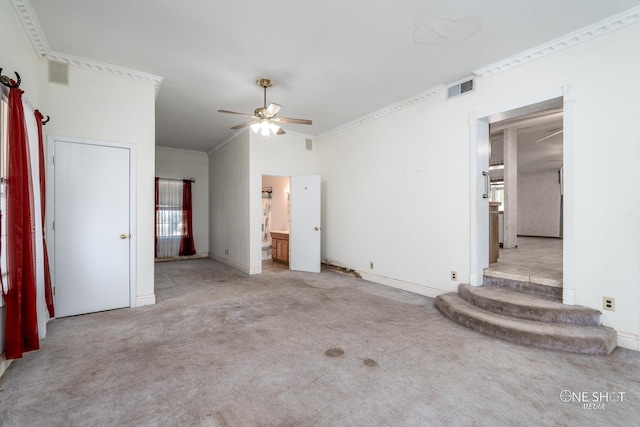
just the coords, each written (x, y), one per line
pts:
(58, 72)
(308, 144)
(467, 85)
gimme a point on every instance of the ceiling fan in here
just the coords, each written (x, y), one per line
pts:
(264, 118)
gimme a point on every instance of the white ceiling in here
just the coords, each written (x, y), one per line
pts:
(332, 61)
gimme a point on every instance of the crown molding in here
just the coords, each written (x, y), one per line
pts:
(35, 32)
(408, 102)
(606, 26)
(31, 25)
(103, 67)
(228, 139)
(182, 151)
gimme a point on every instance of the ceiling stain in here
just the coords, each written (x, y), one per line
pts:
(434, 30)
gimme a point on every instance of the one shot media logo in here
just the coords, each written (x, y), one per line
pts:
(592, 400)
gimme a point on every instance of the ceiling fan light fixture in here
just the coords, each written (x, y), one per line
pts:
(263, 117)
(265, 128)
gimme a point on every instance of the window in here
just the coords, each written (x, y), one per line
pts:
(169, 217)
(497, 195)
(169, 226)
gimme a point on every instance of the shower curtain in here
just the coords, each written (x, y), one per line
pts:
(266, 225)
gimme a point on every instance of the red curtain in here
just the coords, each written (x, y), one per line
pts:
(155, 229)
(187, 247)
(48, 294)
(21, 322)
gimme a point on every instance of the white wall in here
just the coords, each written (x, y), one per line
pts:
(235, 175)
(279, 201)
(539, 204)
(110, 108)
(397, 188)
(397, 195)
(283, 155)
(229, 203)
(183, 164)
(94, 106)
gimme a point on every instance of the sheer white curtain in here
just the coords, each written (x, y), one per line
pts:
(32, 136)
(266, 224)
(169, 221)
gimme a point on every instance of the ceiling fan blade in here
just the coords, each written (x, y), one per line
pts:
(550, 136)
(243, 125)
(273, 109)
(239, 114)
(290, 120)
(280, 132)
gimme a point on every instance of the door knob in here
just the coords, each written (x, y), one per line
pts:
(123, 236)
(317, 228)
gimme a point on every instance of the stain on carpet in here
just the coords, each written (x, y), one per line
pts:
(370, 362)
(334, 352)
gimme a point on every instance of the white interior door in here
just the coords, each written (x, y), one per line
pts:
(304, 238)
(91, 214)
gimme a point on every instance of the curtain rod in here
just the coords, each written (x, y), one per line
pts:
(6, 81)
(192, 179)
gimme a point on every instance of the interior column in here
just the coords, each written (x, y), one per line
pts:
(510, 236)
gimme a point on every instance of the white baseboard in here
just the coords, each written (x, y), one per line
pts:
(628, 341)
(4, 364)
(145, 300)
(400, 284)
(234, 265)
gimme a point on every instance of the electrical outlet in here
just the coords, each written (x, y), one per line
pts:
(371, 265)
(609, 303)
(454, 275)
(226, 251)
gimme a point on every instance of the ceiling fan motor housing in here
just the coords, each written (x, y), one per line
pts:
(264, 83)
(261, 112)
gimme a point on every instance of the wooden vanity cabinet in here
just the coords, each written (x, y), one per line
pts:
(280, 247)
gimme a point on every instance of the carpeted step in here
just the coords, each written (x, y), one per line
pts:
(528, 306)
(524, 286)
(598, 340)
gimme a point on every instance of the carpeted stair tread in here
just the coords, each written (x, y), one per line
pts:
(572, 338)
(528, 306)
(524, 286)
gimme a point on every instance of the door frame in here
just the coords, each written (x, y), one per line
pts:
(479, 148)
(50, 172)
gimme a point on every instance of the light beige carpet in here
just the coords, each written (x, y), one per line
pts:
(299, 349)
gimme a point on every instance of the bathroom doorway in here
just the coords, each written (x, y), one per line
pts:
(276, 220)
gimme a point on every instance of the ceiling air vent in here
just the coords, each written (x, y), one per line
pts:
(459, 88)
(58, 72)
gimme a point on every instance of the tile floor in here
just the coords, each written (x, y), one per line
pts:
(536, 260)
(269, 266)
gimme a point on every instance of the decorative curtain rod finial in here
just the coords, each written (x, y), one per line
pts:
(44, 122)
(7, 81)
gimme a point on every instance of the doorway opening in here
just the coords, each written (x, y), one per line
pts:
(276, 220)
(544, 123)
(525, 164)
